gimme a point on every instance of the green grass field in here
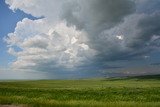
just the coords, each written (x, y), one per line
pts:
(126, 92)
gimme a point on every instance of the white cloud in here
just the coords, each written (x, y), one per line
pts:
(120, 37)
(40, 43)
(47, 8)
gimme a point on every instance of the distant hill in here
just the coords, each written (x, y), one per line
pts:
(157, 77)
(142, 77)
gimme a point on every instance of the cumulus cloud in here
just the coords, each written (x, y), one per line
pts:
(77, 34)
(40, 45)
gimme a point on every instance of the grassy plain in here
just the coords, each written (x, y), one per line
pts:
(141, 91)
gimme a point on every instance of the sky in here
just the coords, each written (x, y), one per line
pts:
(8, 22)
(56, 39)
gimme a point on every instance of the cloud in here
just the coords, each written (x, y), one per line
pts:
(38, 8)
(41, 46)
(77, 35)
(94, 16)
(133, 71)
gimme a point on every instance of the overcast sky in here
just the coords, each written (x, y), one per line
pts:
(78, 38)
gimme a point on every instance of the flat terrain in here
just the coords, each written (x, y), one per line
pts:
(141, 91)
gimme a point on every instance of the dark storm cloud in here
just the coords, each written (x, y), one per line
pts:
(139, 40)
(149, 33)
(137, 20)
(96, 15)
(149, 26)
(147, 6)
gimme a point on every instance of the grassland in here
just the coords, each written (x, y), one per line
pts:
(141, 91)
